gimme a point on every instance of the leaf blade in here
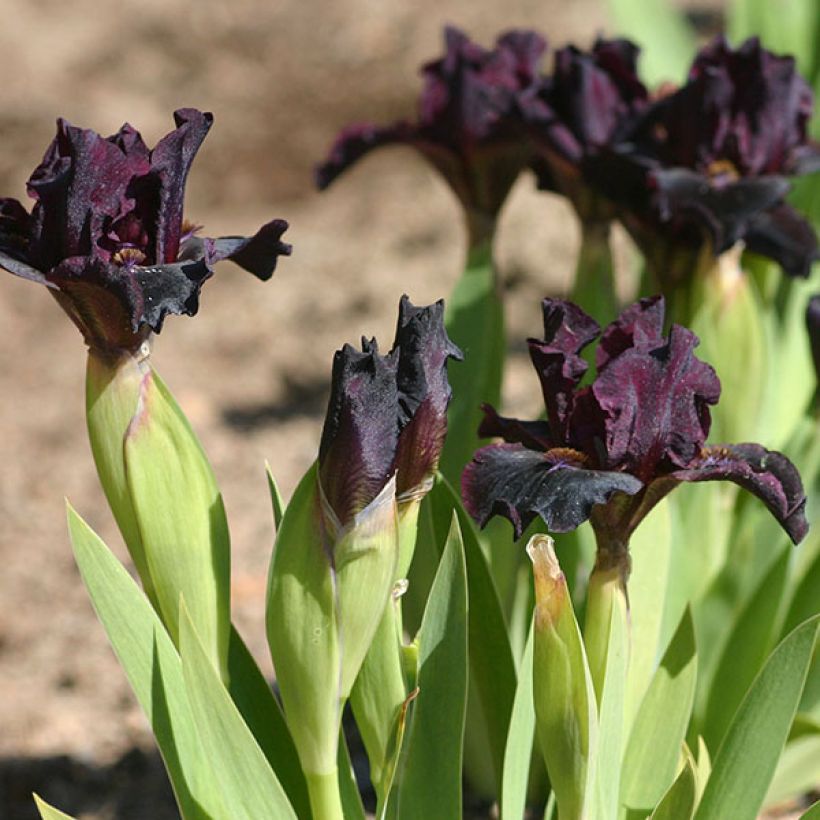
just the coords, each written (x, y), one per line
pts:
(248, 784)
(430, 785)
(746, 761)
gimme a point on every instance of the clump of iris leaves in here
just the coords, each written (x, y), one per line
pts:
(656, 659)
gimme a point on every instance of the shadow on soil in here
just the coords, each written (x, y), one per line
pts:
(134, 787)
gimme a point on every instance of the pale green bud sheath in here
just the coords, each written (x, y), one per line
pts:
(566, 719)
(112, 393)
(163, 494)
(329, 585)
(302, 630)
(365, 558)
(380, 693)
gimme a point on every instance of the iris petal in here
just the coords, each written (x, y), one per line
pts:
(520, 484)
(766, 474)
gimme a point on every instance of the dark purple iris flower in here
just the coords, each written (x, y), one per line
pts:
(471, 122)
(710, 162)
(387, 414)
(107, 236)
(590, 102)
(610, 450)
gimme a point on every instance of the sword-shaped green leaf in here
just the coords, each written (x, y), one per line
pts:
(474, 318)
(246, 781)
(48, 812)
(679, 801)
(747, 758)
(153, 669)
(430, 783)
(653, 749)
(492, 668)
(277, 502)
(260, 709)
(749, 640)
(518, 749)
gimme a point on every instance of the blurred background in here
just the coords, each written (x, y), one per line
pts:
(252, 369)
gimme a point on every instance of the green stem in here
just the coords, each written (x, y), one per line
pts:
(607, 582)
(594, 287)
(325, 797)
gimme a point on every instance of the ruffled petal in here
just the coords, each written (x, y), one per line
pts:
(170, 161)
(567, 331)
(767, 474)
(257, 254)
(471, 123)
(80, 186)
(656, 403)
(356, 141)
(520, 484)
(535, 435)
(639, 325)
(724, 212)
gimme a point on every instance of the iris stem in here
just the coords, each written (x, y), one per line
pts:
(607, 583)
(325, 797)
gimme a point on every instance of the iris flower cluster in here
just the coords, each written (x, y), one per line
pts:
(698, 167)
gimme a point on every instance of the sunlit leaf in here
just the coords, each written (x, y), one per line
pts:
(518, 749)
(152, 666)
(746, 761)
(430, 782)
(245, 779)
(653, 749)
(49, 812)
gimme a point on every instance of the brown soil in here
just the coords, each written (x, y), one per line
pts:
(252, 369)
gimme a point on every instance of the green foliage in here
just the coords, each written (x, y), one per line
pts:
(492, 669)
(679, 801)
(747, 758)
(153, 668)
(654, 744)
(49, 812)
(747, 646)
(475, 322)
(518, 748)
(241, 771)
(430, 780)
(667, 42)
(651, 600)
